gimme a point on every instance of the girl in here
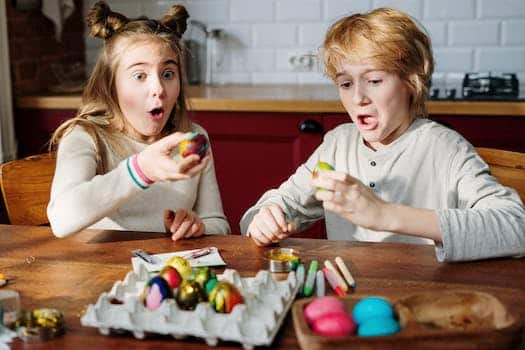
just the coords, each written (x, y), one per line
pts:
(114, 166)
(398, 177)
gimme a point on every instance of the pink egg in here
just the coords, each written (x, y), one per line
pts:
(321, 306)
(334, 325)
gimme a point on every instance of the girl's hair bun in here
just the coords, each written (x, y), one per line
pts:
(102, 22)
(176, 19)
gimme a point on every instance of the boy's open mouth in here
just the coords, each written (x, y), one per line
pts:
(367, 121)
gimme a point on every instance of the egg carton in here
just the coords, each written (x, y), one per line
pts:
(254, 323)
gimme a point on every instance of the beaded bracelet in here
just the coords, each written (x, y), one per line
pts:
(133, 173)
(135, 163)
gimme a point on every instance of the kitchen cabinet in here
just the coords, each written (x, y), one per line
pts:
(255, 152)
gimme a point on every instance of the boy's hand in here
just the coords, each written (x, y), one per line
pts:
(157, 163)
(350, 198)
(183, 223)
(269, 226)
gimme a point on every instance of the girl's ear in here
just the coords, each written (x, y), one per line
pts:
(102, 22)
(176, 19)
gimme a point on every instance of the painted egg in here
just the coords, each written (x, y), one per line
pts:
(337, 324)
(155, 291)
(171, 275)
(189, 294)
(321, 166)
(224, 297)
(195, 144)
(323, 305)
(210, 285)
(371, 307)
(378, 326)
(202, 275)
(182, 265)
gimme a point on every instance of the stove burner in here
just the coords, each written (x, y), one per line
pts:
(480, 86)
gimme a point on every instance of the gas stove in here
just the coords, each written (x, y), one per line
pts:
(482, 87)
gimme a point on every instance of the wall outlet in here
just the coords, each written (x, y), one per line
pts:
(301, 62)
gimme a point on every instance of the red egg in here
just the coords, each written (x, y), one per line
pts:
(337, 324)
(171, 275)
(321, 306)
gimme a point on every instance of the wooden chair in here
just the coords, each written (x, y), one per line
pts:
(26, 187)
(506, 166)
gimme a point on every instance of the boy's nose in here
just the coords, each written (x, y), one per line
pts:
(359, 96)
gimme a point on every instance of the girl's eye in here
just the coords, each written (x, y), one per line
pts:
(168, 74)
(375, 81)
(139, 76)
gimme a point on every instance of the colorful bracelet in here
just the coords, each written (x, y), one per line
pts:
(135, 163)
(134, 175)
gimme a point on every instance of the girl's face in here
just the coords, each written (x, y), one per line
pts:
(376, 100)
(147, 85)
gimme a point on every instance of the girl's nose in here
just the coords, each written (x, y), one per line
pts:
(157, 87)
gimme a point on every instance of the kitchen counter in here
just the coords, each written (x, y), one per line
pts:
(280, 98)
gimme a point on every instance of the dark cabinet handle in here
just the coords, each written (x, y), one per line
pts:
(310, 126)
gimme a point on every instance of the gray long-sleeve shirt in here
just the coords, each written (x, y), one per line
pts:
(429, 166)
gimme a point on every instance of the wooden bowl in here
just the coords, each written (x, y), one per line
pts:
(448, 319)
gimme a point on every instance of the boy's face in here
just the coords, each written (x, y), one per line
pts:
(376, 100)
(148, 85)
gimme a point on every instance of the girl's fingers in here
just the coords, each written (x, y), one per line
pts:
(169, 215)
(180, 214)
(184, 228)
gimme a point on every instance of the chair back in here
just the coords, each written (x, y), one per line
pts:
(506, 166)
(26, 188)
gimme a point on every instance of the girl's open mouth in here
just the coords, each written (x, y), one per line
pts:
(157, 113)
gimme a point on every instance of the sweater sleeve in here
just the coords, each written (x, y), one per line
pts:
(489, 220)
(296, 196)
(80, 197)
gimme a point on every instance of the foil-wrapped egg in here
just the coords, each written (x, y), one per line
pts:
(224, 297)
(210, 285)
(189, 294)
(182, 265)
(155, 291)
(171, 275)
(202, 275)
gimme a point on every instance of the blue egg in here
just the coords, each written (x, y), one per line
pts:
(371, 307)
(378, 326)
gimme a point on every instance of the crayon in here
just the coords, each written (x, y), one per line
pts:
(310, 279)
(338, 278)
(344, 270)
(330, 277)
(300, 277)
(319, 284)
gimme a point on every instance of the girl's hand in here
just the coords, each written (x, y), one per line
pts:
(269, 226)
(183, 223)
(350, 198)
(157, 163)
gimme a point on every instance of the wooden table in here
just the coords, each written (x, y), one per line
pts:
(68, 274)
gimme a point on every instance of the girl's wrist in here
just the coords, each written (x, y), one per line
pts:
(137, 163)
(137, 175)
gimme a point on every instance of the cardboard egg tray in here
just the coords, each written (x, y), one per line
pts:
(254, 323)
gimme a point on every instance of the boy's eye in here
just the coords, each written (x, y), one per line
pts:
(375, 81)
(168, 74)
(139, 76)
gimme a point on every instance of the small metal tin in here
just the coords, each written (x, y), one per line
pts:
(281, 259)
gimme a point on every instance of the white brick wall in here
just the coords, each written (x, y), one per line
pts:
(260, 35)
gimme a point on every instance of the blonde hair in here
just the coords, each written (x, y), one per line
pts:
(390, 40)
(99, 113)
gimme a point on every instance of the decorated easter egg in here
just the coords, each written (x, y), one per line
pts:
(189, 294)
(321, 166)
(212, 282)
(195, 143)
(171, 275)
(378, 326)
(371, 307)
(323, 305)
(337, 324)
(202, 275)
(182, 265)
(224, 297)
(155, 291)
